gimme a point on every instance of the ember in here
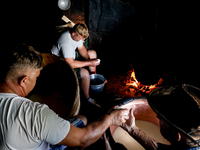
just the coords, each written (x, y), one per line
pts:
(129, 86)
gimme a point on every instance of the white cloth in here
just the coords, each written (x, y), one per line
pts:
(27, 125)
(66, 46)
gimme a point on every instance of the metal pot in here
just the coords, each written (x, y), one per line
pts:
(97, 83)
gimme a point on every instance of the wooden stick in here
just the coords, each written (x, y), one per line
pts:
(67, 20)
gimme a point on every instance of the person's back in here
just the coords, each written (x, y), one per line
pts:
(65, 46)
(19, 123)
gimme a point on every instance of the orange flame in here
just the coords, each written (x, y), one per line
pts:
(144, 88)
(135, 81)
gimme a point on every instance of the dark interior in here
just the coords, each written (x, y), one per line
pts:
(155, 36)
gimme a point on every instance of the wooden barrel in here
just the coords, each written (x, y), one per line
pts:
(57, 86)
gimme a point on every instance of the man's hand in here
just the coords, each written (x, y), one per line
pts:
(137, 134)
(130, 123)
(94, 62)
(85, 136)
(118, 116)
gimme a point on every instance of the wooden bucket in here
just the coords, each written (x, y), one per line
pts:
(57, 86)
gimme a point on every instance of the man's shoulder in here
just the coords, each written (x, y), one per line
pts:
(18, 100)
(65, 38)
(65, 34)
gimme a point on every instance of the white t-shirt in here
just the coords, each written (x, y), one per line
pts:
(27, 125)
(66, 46)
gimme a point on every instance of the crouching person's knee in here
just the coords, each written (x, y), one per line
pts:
(78, 121)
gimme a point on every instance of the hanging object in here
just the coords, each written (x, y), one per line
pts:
(64, 4)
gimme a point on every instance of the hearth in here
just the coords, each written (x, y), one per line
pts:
(127, 85)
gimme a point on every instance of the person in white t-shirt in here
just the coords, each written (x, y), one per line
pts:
(27, 125)
(70, 47)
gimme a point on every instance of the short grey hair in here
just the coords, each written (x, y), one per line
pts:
(19, 59)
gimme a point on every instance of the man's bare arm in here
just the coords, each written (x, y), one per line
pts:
(142, 138)
(83, 52)
(80, 64)
(77, 63)
(137, 134)
(83, 137)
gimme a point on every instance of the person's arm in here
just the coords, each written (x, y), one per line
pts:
(137, 134)
(80, 64)
(68, 53)
(83, 137)
(83, 52)
(77, 63)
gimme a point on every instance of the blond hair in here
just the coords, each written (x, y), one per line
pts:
(81, 29)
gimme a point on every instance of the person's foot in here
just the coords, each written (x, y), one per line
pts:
(92, 101)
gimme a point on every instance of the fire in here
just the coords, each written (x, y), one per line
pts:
(127, 85)
(133, 82)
